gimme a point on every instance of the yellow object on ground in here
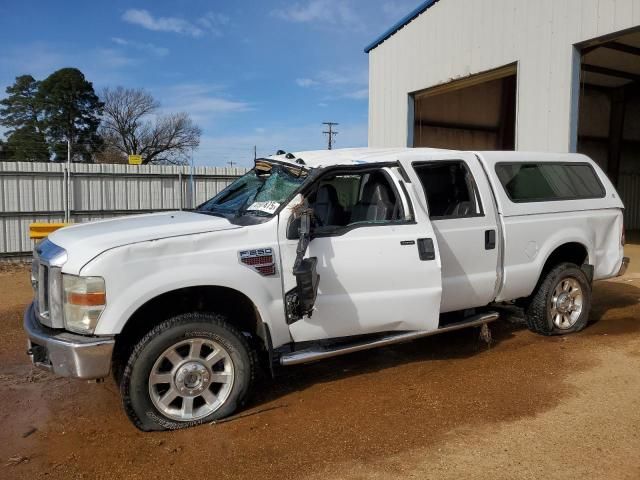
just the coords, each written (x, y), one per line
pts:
(40, 230)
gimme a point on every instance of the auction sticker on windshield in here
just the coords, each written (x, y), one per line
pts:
(267, 207)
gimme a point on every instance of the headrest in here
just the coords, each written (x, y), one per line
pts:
(327, 193)
(376, 190)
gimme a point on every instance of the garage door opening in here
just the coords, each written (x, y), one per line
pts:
(609, 106)
(477, 113)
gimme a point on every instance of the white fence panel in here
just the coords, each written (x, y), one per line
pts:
(34, 192)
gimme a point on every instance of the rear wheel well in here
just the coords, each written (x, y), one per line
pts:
(572, 252)
(235, 306)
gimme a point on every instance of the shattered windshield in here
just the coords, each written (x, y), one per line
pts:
(259, 192)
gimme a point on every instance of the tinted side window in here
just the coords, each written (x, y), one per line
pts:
(450, 189)
(536, 182)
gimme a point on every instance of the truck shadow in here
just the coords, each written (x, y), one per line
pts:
(455, 345)
(610, 316)
(611, 312)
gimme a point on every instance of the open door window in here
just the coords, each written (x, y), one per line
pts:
(343, 201)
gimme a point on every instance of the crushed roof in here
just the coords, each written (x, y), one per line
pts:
(349, 156)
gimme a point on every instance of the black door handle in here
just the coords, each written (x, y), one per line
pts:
(489, 239)
(426, 249)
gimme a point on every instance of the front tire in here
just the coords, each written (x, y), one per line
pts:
(188, 370)
(561, 302)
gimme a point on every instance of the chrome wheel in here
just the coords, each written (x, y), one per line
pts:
(191, 379)
(566, 303)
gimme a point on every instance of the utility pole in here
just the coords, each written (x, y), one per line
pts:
(255, 153)
(67, 184)
(192, 183)
(330, 133)
(231, 164)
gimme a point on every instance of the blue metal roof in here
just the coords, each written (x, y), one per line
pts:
(397, 26)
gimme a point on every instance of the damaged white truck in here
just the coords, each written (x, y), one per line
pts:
(313, 255)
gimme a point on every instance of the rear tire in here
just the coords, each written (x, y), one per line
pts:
(561, 302)
(188, 370)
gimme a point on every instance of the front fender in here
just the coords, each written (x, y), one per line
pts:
(135, 274)
(145, 289)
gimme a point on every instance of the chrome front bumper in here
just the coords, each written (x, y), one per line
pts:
(67, 354)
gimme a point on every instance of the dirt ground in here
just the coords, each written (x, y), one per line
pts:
(528, 407)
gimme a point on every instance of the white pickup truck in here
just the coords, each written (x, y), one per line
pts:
(317, 254)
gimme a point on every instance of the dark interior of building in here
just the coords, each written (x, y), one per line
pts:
(477, 113)
(609, 120)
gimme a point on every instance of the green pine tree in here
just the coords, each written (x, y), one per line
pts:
(21, 112)
(4, 152)
(21, 108)
(71, 111)
(27, 144)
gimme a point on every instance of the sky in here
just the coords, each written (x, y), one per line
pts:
(264, 73)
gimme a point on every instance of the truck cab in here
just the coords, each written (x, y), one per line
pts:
(316, 254)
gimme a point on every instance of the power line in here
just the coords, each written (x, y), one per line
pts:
(330, 133)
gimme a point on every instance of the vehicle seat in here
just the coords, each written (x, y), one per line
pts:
(461, 209)
(376, 203)
(327, 208)
(459, 202)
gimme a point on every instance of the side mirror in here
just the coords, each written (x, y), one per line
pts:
(307, 281)
(293, 229)
(301, 300)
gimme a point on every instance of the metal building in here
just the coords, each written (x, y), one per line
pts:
(543, 75)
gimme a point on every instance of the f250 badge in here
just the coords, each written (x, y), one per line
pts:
(260, 259)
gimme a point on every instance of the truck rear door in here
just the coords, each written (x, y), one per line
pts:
(463, 215)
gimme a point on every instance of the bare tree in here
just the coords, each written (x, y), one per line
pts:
(111, 155)
(130, 125)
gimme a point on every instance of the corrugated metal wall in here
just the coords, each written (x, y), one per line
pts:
(629, 190)
(34, 192)
(457, 38)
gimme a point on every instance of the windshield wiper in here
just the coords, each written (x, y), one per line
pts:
(211, 212)
(257, 213)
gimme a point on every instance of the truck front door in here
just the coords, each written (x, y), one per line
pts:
(377, 257)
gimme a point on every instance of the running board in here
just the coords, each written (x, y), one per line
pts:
(319, 353)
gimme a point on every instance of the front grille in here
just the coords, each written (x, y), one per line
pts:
(47, 282)
(43, 291)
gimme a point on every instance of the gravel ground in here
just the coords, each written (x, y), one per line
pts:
(443, 407)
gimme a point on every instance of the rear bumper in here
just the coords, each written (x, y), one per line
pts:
(67, 354)
(623, 266)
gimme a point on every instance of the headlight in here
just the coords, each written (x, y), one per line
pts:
(84, 301)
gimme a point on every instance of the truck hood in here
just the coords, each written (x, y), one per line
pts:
(85, 241)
